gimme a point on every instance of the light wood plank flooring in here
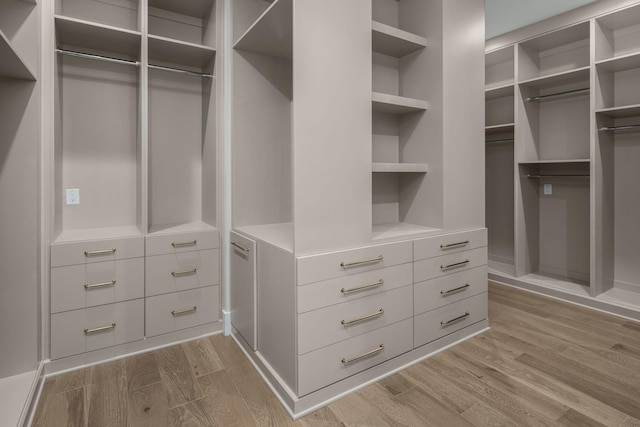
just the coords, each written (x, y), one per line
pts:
(544, 363)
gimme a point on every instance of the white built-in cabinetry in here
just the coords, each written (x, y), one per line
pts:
(357, 201)
(20, 91)
(562, 126)
(135, 112)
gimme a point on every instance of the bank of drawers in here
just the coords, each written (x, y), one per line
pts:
(450, 289)
(98, 289)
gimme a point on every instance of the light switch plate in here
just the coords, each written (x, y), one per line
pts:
(548, 189)
(73, 196)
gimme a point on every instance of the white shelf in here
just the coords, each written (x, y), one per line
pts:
(577, 287)
(400, 167)
(620, 63)
(272, 33)
(278, 235)
(188, 227)
(399, 229)
(393, 104)
(556, 79)
(499, 91)
(618, 112)
(393, 41)
(195, 8)
(98, 234)
(178, 52)
(12, 65)
(622, 297)
(79, 34)
(549, 162)
(15, 391)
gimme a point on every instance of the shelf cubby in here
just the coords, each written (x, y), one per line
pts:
(392, 41)
(272, 33)
(184, 55)
(124, 14)
(553, 53)
(618, 82)
(499, 106)
(617, 34)
(191, 22)
(499, 69)
(18, 57)
(12, 64)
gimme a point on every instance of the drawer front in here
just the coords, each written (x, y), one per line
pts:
(344, 289)
(449, 243)
(345, 263)
(430, 268)
(336, 323)
(243, 287)
(161, 244)
(96, 251)
(80, 331)
(445, 320)
(181, 310)
(81, 286)
(447, 289)
(336, 362)
(181, 271)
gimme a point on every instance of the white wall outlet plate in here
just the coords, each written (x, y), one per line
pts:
(548, 189)
(73, 196)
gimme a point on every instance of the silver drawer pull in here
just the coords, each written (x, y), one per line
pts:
(184, 272)
(99, 285)
(184, 311)
(102, 252)
(99, 329)
(362, 288)
(454, 245)
(366, 261)
(233, 242)
(180, 244)
(456, 265)
(454, 320)
(454, 290)
(362, 356)
(360, 319)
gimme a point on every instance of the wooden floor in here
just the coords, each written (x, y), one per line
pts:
(543, 363)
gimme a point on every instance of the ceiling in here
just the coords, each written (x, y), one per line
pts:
(503, 16)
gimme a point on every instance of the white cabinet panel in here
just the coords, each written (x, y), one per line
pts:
(243, 287)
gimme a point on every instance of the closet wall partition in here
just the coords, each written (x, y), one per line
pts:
(575, 135)
(135, 245)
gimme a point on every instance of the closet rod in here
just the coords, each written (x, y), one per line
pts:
(499, 141)
(556, 176)
(568, 92)
(98, 57)
(614, 128)
(178, 70)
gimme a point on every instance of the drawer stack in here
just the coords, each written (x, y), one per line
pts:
(97, 291)
(182, 281)
(354, 311)
(450, 276)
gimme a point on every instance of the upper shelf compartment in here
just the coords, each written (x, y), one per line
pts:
(392, 104)
(78, 35)
(272, 33)
(192, 22)
(618, 33)
(395, 42)
(124, 14)
(554, 53)
(499, 68)
(167, 51)
(12, 65)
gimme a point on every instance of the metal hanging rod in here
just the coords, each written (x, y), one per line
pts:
(556, 176)
(178, 70)
(97, 57)
(499, 141)
(568, 92)
(614, 128)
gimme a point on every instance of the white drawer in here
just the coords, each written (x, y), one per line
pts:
(336, 362)
(181, 271)
(449, 243)
(445, 320)
(447, 289)
(315, 268)
(98, 283)
(426, 269)
(80, 331)
(160, 244)
(96, 251)
(349, 288)
(181, 310)
(339, 322)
